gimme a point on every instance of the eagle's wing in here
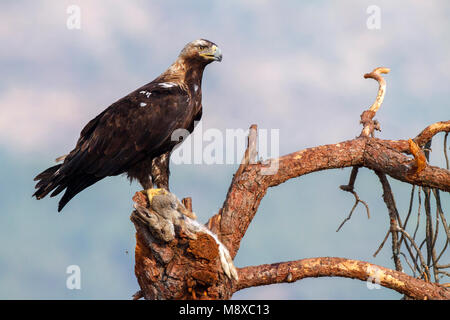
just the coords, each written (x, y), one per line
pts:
(131, 129)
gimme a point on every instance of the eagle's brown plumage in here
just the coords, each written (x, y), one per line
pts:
(133, 135)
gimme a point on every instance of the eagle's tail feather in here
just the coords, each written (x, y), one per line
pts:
(46, 181)
(56, 180)
(47, 173)
(75, 186)
(60, 188)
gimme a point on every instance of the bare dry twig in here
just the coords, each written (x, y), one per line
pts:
(393, 218)
(350, 188)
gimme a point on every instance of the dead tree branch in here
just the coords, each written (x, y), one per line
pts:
(249, 188)
(338, 267)
(191, 261)
(370, 125)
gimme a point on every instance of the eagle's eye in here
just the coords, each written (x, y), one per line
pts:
(202, 47)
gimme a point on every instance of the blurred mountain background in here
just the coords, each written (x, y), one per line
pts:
(293, 66)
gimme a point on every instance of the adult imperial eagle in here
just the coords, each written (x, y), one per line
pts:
(133, 135)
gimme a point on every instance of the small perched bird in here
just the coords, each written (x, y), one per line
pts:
(134, 134)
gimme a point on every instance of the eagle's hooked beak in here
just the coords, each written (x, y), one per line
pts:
(215, 54)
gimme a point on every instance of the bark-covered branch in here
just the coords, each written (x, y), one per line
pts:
(286, 272)
(250, 186)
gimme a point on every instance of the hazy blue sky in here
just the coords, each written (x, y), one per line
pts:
(288, 65)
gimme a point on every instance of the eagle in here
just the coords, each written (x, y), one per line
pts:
(133, 136)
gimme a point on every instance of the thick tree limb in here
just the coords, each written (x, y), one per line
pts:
(339, 267)
(249, 188)
(379, 156)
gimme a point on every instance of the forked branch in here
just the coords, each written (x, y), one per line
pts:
(250, 184)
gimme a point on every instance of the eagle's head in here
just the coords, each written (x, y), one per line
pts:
(202, 51)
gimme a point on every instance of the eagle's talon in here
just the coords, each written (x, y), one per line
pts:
(154, 192)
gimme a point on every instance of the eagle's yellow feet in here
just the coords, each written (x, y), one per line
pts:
(154, 192)
(179, 206)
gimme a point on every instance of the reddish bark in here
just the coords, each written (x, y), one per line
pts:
(190, 269)
(338, 267)
(249, 187)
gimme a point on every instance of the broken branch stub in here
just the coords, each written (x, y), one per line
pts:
(369, 125)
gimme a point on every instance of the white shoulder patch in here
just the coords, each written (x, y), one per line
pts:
(167, 84)
(147, 93)
(142, 104)
(195, 87)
